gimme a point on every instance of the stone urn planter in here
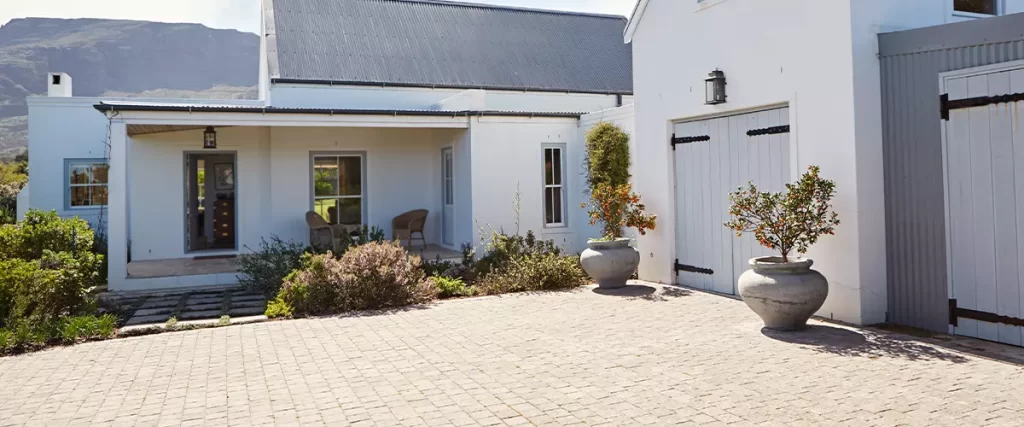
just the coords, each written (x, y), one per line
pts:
(785, 295)
(611, 263)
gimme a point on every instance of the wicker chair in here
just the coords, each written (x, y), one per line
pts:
(323, 235)
(406, 225)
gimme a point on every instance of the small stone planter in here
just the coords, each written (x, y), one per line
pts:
(785, 295)
(610, 263)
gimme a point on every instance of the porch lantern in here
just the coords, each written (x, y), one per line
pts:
(715, 88)
(210, 138)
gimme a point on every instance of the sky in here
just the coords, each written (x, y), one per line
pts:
(241, 15)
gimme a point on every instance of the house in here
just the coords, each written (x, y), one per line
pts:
(367, 109)
(929, 234)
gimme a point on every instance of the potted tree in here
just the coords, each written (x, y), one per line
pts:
(609, 259)
(783, 290)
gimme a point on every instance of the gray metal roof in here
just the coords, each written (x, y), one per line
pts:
(431, 43)
(254, 109)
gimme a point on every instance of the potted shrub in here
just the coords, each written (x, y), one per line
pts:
(783, 290)
(610, 260)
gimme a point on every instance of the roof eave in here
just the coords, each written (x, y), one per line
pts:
(437, 86)
(103, 107)
(634, 20)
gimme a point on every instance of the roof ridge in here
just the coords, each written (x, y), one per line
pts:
(512, 8)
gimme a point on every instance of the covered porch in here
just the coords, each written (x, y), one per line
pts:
(180, 213)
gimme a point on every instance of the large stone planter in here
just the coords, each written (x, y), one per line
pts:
(785, 295)
(610, 263)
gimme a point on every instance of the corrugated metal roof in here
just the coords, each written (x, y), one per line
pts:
(448, 44)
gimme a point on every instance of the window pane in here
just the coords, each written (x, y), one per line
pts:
(548, 167)
(80, 196)
(986, 7)
(99, 173)
(79, 173)
(325, 176)
(350, 176)
(556, 200)
(448, 192)
(350, 211)
(556, 156)
(549, 212)
(327, 209)
(99, 195)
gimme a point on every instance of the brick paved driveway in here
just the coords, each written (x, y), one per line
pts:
(669, 357)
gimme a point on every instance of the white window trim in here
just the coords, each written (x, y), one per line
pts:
(68, 185)
(1000, 11)
(364, 208)
(545, 186)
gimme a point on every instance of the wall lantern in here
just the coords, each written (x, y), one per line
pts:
(715, 88)
(210, 138)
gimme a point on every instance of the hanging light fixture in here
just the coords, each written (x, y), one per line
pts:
(210, 138)
(715, 88)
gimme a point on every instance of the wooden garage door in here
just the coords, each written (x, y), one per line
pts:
(984, 155)
(712, 158)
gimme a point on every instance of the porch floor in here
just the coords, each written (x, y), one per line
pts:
(181, 267)
(199, 267)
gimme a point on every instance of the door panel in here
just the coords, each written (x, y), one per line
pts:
(706, 172)
(985, 205)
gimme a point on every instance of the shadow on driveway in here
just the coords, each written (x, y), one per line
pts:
(644, 292)
(864, 343)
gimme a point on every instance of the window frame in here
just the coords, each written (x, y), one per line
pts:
(563, 148)
(364, 205)
(68, 185)
(998, 4)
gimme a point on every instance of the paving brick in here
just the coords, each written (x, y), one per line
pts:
(670, 357)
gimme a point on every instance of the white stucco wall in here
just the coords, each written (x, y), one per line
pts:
(507, 156)
(362, 97)
(59, 129)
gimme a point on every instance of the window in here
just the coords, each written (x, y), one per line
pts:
(338, 188)
(981, 7)
(554, 185)
(87, 183)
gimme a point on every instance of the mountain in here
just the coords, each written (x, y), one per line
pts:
(122, 58)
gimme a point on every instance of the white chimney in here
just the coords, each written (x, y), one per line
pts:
(59, 85)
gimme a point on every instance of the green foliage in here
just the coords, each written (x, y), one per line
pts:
(278, 308)
(437, 267)
(264, 269)
(618, 207)
(370, 276)
(503, 248)
(607, 156)
(451, 287)
(786, 221)
(171, 323)
(46, 289)
(535, 272)
(13, 176)
(41, 231)
(224, 320)
(36, 333)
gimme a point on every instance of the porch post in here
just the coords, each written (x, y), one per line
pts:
(117, 207)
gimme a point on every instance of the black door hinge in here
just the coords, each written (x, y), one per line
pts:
(687, 139)
(691, 269)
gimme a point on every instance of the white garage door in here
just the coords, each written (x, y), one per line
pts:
(984, 155)
(712, 158)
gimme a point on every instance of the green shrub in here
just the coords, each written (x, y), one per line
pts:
(451, 287)
(437, 267)
(503, 248)
(78, 328)
(370, 276)
(362, 236)
(607, 156)
(535, 272)
(278, 308)
(55, 286)
(41, 231)
(264, 270)
(106, 326)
